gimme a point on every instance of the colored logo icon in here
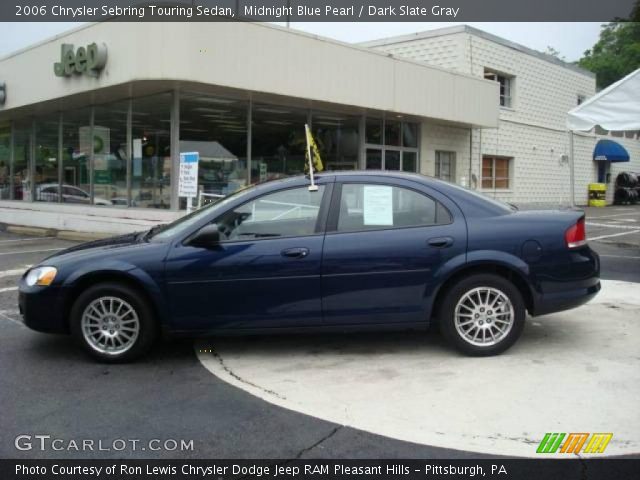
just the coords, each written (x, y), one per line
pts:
(574, 442)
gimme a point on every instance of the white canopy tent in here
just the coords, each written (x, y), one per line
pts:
(615, 108)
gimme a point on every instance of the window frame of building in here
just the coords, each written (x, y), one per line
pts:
(506, 82)
(403, 155)
(389, 151)
(450, 157)
(492, 177)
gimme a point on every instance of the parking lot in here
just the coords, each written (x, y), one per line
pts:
(350, 396)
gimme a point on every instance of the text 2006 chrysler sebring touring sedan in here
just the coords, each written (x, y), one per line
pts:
(366, 250)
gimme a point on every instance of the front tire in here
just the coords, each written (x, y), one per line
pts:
(113, 323)
(482, 315)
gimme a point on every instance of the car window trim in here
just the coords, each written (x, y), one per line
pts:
(332, 224)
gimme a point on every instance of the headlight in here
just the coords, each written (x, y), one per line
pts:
(42, 276)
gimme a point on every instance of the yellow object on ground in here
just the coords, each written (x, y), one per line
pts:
(597, 193)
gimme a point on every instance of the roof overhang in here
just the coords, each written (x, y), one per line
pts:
(246, 57)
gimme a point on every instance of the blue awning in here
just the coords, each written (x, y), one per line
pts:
(610, 151)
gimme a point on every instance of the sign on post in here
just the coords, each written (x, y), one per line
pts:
(188, 178)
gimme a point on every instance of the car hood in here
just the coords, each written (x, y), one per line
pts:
(100, 245)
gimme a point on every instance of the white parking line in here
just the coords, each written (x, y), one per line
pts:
(5, 315)
(13, 273)
(629, 227)
(620, 256)
(24, 239)
(33, 251)
(8, 289)
(614, 235)
(615, 215)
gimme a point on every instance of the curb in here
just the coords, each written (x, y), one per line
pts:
(61, 234)
(32, 231)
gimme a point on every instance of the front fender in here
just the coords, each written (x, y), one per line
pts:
(120, 269)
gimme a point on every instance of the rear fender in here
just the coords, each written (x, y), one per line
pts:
(476, 260)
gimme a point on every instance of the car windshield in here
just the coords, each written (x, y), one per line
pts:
(183, 224)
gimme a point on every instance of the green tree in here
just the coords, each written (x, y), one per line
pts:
(554, 53)
(616, 53)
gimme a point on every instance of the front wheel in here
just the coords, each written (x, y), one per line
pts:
(113, 323)
(482, 315)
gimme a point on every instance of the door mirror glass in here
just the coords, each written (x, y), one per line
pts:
(207, 237)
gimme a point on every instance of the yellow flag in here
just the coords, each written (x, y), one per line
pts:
(315, 153)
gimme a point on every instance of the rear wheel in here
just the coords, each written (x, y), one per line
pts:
(113, 323)
(482, 315)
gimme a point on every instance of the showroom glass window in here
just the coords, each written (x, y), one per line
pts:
(46, 158)
(360, 208)
(110, 154)
(22, 138)
(151, 151)
(76, 155)
(338, 139)
(391, 144)
(5, 158)
(278, 142)
(216, 128)
(286, 213)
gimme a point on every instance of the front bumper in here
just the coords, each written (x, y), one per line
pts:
(42, 308)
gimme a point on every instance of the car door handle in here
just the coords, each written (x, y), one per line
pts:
(297, 252)
(440, 242)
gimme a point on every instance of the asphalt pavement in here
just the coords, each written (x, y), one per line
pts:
(49, 387)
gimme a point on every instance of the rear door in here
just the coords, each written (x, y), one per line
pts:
(386, 238)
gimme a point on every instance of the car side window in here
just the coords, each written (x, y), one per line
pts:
(287, 213)
(374, 207)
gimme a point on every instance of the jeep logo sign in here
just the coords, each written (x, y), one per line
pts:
(88, 60)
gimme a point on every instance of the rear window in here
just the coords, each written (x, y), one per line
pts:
(372, 206)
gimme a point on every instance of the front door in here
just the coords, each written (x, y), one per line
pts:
(264, 273)
(384, 244)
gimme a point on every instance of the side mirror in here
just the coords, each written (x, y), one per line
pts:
(207, 237)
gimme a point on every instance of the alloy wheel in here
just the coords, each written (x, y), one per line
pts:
(484, 316)
(110, 325)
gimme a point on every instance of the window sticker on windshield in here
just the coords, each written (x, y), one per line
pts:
(378, 205)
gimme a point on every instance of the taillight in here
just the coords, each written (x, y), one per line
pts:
(575, 236)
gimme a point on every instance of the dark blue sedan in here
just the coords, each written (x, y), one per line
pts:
(367, 250)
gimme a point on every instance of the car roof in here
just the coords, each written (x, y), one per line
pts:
(370, 173)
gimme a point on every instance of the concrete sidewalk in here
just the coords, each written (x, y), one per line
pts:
(573, 371)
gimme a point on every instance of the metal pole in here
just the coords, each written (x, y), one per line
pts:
(571, 170)
(313, 187)
(60, 155)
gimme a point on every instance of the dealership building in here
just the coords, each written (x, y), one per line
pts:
(92, 122)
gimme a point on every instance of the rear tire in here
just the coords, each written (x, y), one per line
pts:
(482, 315)
(114, 323)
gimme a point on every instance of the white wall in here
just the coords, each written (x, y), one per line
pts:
(533, 131)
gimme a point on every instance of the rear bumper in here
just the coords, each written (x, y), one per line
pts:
(42, 308)
(568, 285)
(567, 299)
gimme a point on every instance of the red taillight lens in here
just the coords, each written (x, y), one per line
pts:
(576, 236)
